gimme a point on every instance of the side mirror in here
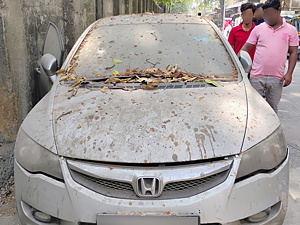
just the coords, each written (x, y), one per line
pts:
(54, 43)
(246, 61)
(49, 64)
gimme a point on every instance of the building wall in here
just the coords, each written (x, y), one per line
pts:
(23, 25)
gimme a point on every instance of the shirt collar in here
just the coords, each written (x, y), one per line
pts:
(284, 23)
(240, 27)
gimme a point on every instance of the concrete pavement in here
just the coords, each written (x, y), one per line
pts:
(289, 114)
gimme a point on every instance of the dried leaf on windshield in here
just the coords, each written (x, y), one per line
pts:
(64, 78)
(151, 71)
(158, 81)
(148, 78)
(143, 80)
(68, 77)
(77, 82)
(60, 71)
(113, 80)
(117, 61)
(212, 82)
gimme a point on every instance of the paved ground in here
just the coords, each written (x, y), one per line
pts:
(289, 114)
(7, 204)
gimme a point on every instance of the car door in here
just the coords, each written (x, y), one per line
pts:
(51, 61)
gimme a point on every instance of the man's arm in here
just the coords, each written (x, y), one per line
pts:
(247, 47)
(293, 50)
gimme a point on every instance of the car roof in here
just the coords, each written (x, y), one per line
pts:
(152, 18)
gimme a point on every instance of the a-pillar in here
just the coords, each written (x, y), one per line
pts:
(108, 7)
(122, 7)
(128, 6)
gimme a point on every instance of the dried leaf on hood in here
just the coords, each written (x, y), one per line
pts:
(128, 89)
(71, 66)
(73, 93)
(167, 121)
(151, 86)
(104, 89)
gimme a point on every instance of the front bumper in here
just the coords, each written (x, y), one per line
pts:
(228, 203)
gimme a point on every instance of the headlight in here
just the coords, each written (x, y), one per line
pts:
(35, 158)
(264, 156)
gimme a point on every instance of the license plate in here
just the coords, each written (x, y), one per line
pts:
(147, 220)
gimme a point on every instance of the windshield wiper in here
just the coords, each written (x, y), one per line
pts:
(99, 79)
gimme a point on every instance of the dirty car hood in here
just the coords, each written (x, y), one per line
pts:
(150, 126)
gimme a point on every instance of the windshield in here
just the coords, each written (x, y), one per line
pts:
(129, 49)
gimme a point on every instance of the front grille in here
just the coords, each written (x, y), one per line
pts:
(110, 184)
(193, 187)
(184, 185)
(110, 188)
(124, 190)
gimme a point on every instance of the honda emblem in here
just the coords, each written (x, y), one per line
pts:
(148, 187)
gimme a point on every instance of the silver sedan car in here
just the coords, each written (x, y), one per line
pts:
(151, 119)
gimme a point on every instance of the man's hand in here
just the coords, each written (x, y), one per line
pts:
(287, 79)
(293, 50)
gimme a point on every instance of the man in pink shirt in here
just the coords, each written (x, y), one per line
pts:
(273, 40)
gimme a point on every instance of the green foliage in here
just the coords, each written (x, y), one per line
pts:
(177, 6)
(207, 5)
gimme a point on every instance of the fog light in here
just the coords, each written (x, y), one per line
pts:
(259, 217)
(42, 217)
